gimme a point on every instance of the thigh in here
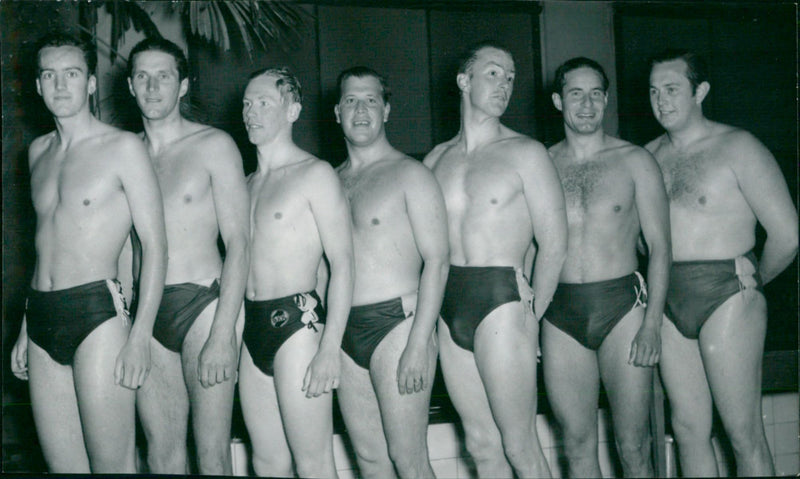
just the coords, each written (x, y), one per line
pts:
(684, 379)
(260, 409)
(629, 387)
(162, 402)
(359, 406)
(107, 409)
(404, 416)
(55, 413)
(572, 381)
(732, 346)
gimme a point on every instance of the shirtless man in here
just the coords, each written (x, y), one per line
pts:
(501, 191)
(195, 346)
(721, 181)
(90, 183)
(291, 354)
(601, 323)
(401, 261)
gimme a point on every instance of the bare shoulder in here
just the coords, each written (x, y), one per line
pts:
(216, 147)
(523, 151)
(743, 150)
(413, 174)
(123, 145)
(437, 152)
(654, 145)
(39, 146)
(556, 150)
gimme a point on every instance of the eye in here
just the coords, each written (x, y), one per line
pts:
(672, 90)
(511, 78)
(72, 74)
(163, 76)
(263, 103)
(47, 75)
(597, 94)
(139, 76)
(349, 101)
(372, 101)
(653, 92)
(246, 103)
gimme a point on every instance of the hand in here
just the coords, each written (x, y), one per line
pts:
(646, 347)
(322, 375)
(217, 361)
(19, 356)
(133, 364)
(412, 370)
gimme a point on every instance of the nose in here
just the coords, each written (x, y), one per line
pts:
(152, 84)
(586, 100)
(61, 82)
(361, 105)
(247, 111)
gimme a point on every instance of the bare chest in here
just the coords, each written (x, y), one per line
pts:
(277, 205)
(695, 180)
(376, 200)
(469, 186)
(596, 186)
(183, 182)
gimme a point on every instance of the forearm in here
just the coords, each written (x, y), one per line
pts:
(546, 271)
(340, 297)
(429, 301)
(658, 265)
(776, 257)
(151, 286)
(232, 285)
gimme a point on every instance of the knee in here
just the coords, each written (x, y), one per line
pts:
(483, 445)
(410, 461)
(633, 448)
(166, 460)
(272, 465)
(314, 466)
(214, 460)
(745, 433)
(689, 429)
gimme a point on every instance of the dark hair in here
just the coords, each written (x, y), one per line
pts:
(361, 72)
(696, 68)
(286, 83)
(573, 64)
(471, 55)
(62, 39)
(160, 44)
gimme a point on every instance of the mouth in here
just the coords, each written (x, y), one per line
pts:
(252, 126)
(364, 123)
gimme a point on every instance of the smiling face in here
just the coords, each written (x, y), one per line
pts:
(672, 97)
(582, 100)
(489, 82)
(156, 84)
(64, 82)
(265, 111)
(361, 110)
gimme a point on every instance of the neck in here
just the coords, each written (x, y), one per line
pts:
(276, 153)
(585, 147)
(359, 155)
(74, 128)
(160, 133)
(693, 130)
(478, 128)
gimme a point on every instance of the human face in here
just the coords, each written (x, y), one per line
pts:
(156, 84)
(361, 110)
(490, 81)
(671, 96)
(64, 82)
(582, 100)
(265, 111)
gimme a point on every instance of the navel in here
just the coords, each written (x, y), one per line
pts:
(702, 200)
(493, 201)
(376, 221)
(187, 198)
(86, 202)
(278, 215)
(617, 208)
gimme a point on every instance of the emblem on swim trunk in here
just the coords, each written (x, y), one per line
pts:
(306, 303)
(279, 318)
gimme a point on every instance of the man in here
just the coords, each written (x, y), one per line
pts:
(90, 183)
(401, 260)
(721, 181)
(601, 323)
(291, 359)
(195, 344)
(501, 190)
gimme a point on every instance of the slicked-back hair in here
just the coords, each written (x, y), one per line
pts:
(573, 64)
(63, 39)
(163, 45)
(285, 81)
(362, 72)
(471, 55)
(696, 68)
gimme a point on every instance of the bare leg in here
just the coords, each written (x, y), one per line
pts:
(108, 412)
(690, 401)
(466, 392)
(163, 406)
(732, 346)
(55, 413)
(211, 408)
(572, 380)
(629, 391)
(271, 456)
(505, 353)
(308, 422)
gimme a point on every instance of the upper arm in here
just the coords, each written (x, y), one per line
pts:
(331, 213)
(544, 195)
(764, 187)
(427, 214)
(141, 190)
(651, 198)
(228, 187)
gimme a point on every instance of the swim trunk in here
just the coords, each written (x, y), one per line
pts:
(180, 305)
(472, 292)
(589, 311)
(698, 288)
(59, 321)
(368, 324)
(268, 324)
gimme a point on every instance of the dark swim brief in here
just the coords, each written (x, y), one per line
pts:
(698, 288)
(59, 321)
(368, 324)
(268, 324)
(472, 292)
(180, 305)
(589, 311)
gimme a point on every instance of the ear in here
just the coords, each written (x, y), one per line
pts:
(386, 112)
(92, 85)
(130, 87)
(336, 113)
(462, 80)
(184, 88)
(701, 92)
(557, 102)
(38, 87)
(293, 112)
